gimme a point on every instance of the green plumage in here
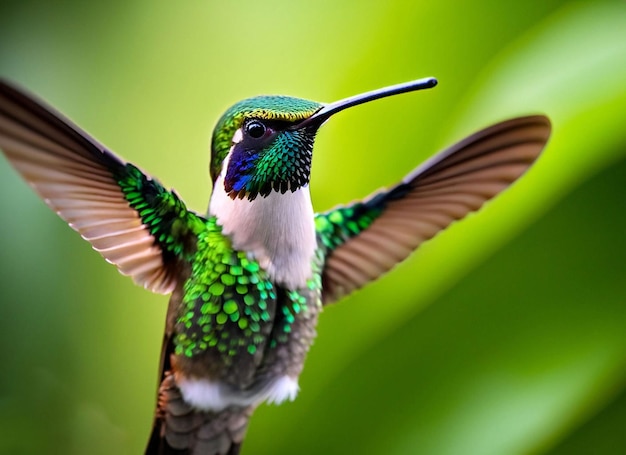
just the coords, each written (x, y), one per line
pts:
(228, 302)
(284, 166)
(341, 224)
(164, 214)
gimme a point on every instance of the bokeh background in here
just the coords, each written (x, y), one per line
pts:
(504, 335)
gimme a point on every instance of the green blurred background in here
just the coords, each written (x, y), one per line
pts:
(504, 335)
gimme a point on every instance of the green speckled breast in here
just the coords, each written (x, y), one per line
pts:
(235, 320)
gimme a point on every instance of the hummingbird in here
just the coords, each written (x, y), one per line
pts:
(249, 278)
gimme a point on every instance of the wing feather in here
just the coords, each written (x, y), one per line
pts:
(366, 239)
(109, 202)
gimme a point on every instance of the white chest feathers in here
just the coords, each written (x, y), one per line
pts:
(277, 230)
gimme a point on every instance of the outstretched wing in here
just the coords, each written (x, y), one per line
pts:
(365, 239)
(128, 217)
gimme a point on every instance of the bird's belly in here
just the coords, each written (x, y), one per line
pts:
(208, 395)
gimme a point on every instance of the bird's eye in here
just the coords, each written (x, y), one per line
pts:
(255, 129)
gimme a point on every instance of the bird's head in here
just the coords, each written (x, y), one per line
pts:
(259, 146)
(265, 143)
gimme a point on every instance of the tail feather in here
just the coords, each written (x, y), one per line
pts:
(181, 430)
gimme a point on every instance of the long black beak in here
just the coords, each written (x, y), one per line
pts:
(325, 112)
